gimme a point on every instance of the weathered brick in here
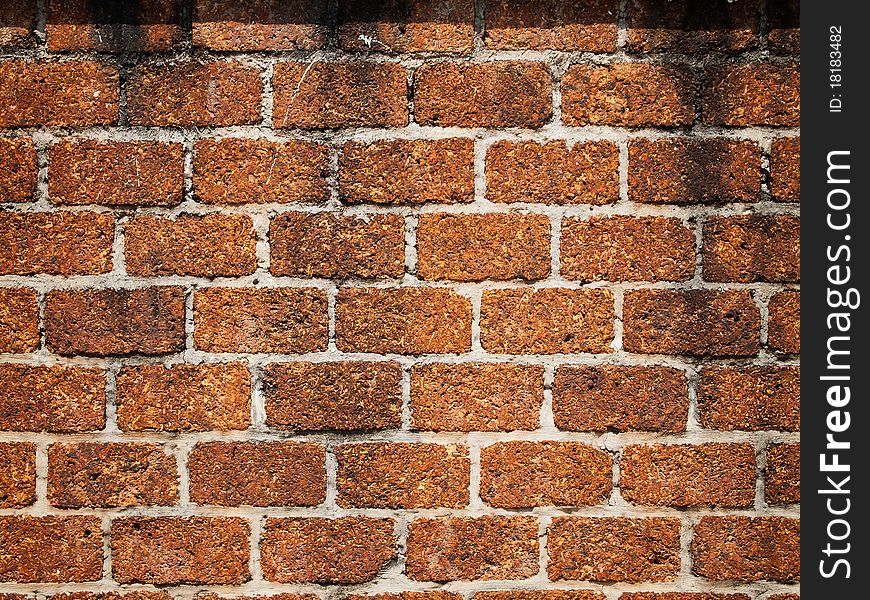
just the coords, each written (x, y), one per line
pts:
(402, 321)
(784, 322)
(74, 93)
(330, 95)
(551, 25)
(476, 396)
(18, 167)
(18, 475)
(139, 173)
(477, 548)
(478, 247)
(783, 33)
(680, 596)
(58, 399)
(246, 25)
(284, 596)
(193, 93)
(785, 169)
(115, 321)
(692, 170)
(747, 548)
(19, 320)
(257, 473)
(552, 172)
(691, 322)
(526, 474)
(628, 95)
(106, 475)
(210, 245)
(490, 94)
(625, 248)
(62, 243)
(539, 595)
(614, 549)
(184, 397)
(177, 550)
(750, 248)
(752, 94)
(333, 396)
(331, 245)
(686, 475)
(784, 597)
(782, 476)
(620, 398)
(131, 595)
(407, 171)
(546, 321)
(344, 550)
(425, 595)
(50, 549)
(17, 24)
(402, 475)
(285, 320)
(242, 171)
(750, 398)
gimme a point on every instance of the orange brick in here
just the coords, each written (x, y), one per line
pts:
(685, 596)
(17, 24)
(18, 167)
(784, 322)
(50, 549)
(752, 94)
(752, 248)
(19, 320)
(784, 36)
(552, 25)
(539, 595)
(785, 169)
(782, 475)
(18, 476)
(750, 398)
(253, 25)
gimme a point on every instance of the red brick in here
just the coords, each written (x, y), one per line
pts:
(784, 36)
(106, 475)
(402, 321)
(750, 398)
(184, 397)
(747, 548)
(427, 595)
(17, 167)
(620, 398)
(752, 94)
(176, 550)
(242, 171)
(684, 475)
(19, 320)
(210, 245)
(552, 25)
(115, 321)
(74, 93)
(58, 399)
(478, 247)
(247, 25)
(552, 172)
(613, 549)
(784, 597)
(17, 24)
(681, 596)
(284, 320)
(476, 548)
(691, 322)
(546, 321)
(331, 245)
(476, 396)
(407, 171)
(628, 95)
(61, 243)
(50, 549)
(131, 595)
(257, 473)
(193, 93)
(528, 474)
(139, 173)
(752, 248)
(341, 396)
(330, 95)
(784, 322)
(284, 596)
(782, 476)
(693, 170)
(785, 169)
(402, 475)
(345, 550)
(18, 475)
(539, 595)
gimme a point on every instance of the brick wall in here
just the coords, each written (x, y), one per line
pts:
(456, 300)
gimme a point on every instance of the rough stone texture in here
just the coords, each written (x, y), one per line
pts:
(177, 550)
(526, 474)
(784, 35)
(752, 94)
(752, 248)
(476, 396)
(682, 596)
(402, 475)
(19, 320)
(628, 95)
(490, 94)
(478, 247)
(426, 595)
(747, 548)
(106, 475)
(18, 167)
(782, 476)
(18, 475)
(551, 25)
(785, 169)
(407, 171)
(333, 396)
(50, 549)
(784, 322)
(552, 172)
(115, 321)
(184, 397)
(750, 398)
(686, 475)
(546, 321)
(692, 322)
(337, 246)
(131, 595)
(539, 595)
(285, 596)
(56, 243)
(476, 548)
(254, 25)
(17, 23)
(345, 550)
(284, 320)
